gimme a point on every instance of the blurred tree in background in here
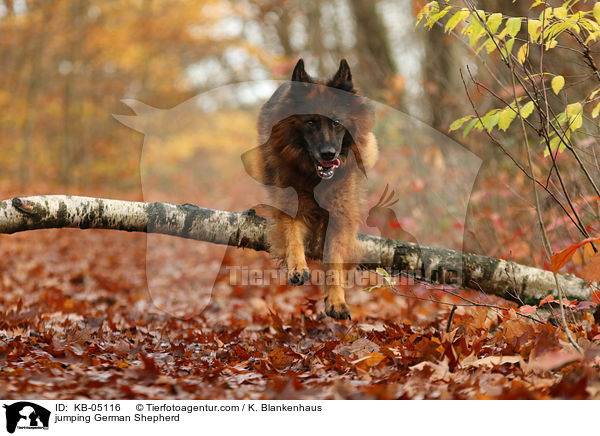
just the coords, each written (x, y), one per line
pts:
(66, 64)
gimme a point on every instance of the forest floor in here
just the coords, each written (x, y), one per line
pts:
(77, 320)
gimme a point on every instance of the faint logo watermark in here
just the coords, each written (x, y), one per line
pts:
(418, 191)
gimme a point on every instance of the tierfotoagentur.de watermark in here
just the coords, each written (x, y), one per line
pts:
(245, 276)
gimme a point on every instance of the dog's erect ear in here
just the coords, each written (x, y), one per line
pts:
(299, 75)
(343, 77)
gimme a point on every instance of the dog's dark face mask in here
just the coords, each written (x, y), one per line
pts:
(324, 136)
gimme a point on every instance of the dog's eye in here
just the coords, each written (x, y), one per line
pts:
(310, 123)
(337, 123)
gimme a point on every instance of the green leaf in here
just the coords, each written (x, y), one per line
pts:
(494, 22)
(470, 126)
(527, 109)
(506, 116)
(597, 12)
(457, 124)
(557, 84)
(513, 25)
(534, 29)
(455, 19)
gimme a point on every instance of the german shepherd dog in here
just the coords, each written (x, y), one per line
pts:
(316, 138)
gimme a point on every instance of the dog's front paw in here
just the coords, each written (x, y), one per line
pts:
(337, 310)
(297, 277)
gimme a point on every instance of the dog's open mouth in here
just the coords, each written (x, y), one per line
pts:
(325, 169)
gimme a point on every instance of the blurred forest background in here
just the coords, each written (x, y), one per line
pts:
(90, 313)
(66, 65)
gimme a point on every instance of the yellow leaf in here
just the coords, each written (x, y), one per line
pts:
(560, 12)
(523, 53)
(593, 36)
(574, 112)
(455, 19)
(534, 29)
(596, 111)
(509, 44)
(431, 7)
(494, 22)
(557, 84)
(546, 14)
(475, 30)
(513, 25)
(527, 109)
(457, 124)
(597, 12)
(490, 45)
(507, 115)
(554, 142)
(432, 19)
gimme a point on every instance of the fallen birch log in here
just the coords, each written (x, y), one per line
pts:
(436, 266)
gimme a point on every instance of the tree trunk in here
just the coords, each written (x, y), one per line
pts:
(372, 47)
(437, 266)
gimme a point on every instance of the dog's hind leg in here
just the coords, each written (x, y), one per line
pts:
(287, 243)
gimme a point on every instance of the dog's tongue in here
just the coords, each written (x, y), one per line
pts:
(332, 163)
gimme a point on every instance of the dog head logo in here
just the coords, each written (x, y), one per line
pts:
(191, 154)
(26, 415)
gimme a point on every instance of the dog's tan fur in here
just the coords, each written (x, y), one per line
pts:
(329, 213)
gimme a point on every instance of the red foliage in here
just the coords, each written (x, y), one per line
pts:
(76, 319)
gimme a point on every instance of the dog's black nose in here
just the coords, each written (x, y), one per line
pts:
(328, 154)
